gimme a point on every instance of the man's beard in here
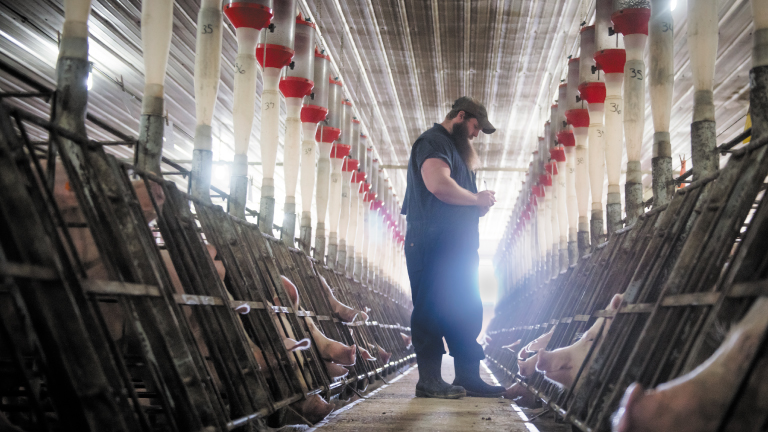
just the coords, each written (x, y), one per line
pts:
(460, 136)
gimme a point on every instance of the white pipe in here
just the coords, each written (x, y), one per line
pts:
(346, 205)
(74, 33)
(244, 104)
(702, 46)
(308, 161)
(156, 28)
(661, 74)
(207, 76)
(292, 148)
(322, 193)
(334, 201)
(269, 136)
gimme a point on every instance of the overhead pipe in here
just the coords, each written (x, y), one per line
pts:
(661, 74)
(610, 58)
(273, 52)
(702, 46)
(339, 152)
(578, 118)
(207, 76)
(326, 134)
(296, 84)
(630, 18)
(314, 110)
(592, 91)
(156, 29)
(247, 18)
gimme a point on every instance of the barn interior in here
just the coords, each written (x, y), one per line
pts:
(202, 230)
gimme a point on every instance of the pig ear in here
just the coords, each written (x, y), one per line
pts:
(616, 302)
(623, 420)
(292, 345)
(291, 290)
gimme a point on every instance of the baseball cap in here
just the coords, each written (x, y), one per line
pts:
(471, 106)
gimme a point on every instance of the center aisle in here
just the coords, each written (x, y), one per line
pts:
(394, 407)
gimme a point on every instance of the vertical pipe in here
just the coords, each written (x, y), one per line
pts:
(207, 73)
(566, 139)
(610, 58)
(72, 69)
(558, 154)
(322, 194)
(340, 150)
(630, 18)
(325, 137)
(248, 19)
(592, 90)
(274, 51)
(578, 118)
(296, 84)
(702, 45)
(661, 74)
(156, 27)
(315, 110)
(348, 170)
(354, 209)
(338, 153)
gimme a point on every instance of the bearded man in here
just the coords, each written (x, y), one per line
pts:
(443, 210)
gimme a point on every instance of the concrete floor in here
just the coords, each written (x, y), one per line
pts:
(394, 407)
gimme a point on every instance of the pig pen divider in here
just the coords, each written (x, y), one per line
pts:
(684, 268)
(155, 355)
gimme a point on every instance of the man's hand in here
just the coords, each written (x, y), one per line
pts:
(486, 198)
(484, 211)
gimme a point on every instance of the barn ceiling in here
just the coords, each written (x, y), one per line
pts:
(403, 62)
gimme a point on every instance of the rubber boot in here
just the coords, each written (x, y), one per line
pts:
(468, 376)
(431, 384)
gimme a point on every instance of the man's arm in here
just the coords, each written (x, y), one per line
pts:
(437, 178)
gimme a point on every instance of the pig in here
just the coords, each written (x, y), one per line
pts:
(561, 365)
(314, 408)
(335, 370)
(342, 311)
(385, 356)
(366, 355)
(330, 349)
(521, 395)
(527, 358)
(698, 400)
(407, 340)
(513, 346)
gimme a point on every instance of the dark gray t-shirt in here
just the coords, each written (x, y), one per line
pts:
(420, 205)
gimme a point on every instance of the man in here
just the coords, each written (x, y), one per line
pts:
(443, 209)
